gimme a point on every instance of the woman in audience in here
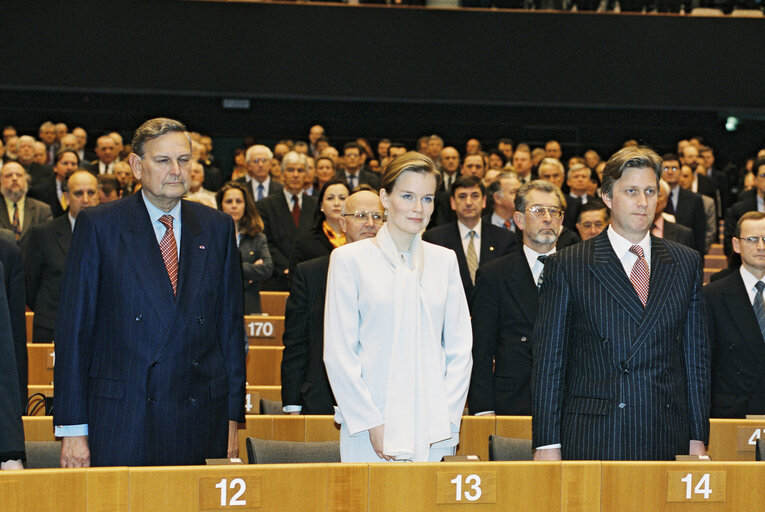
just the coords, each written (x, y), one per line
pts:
(234, 200)
(326, 233)
(397, 344)
(240, 164)
(325, 171)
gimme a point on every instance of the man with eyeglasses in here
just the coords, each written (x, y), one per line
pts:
(474, 242)
(45, 249)
(305, 388)
(664, 225)
(737, 326)
(686, 206)
(755, 203)
(258, 179)
(504, 306)
(621, 363)
(592, 220)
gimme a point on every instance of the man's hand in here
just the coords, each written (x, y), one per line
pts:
(11, 464)
(697, 448)
(547, 454)
(75, 452)
(233, 440)
(376, 436)
(294, 413)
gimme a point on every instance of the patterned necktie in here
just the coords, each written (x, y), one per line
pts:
(541, 278)
(472, 257)
(508, 225)
(261, 191)
(296, 210)
(639, 277)
(759, 307)
(169, 250)
(16, 223)
(352, 181)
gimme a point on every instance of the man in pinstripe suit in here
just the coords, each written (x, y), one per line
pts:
(621, 364)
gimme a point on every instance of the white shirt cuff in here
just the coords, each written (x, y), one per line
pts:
(548, 446)
(292, 408)
(71, 430)
(483, 413)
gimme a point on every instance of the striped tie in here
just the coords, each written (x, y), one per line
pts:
(639, 274)
(541, 278)
(759, 307)
(169, 250)
(472, 257)
(16, 222)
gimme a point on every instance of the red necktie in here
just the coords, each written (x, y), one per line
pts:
(296, 210)
(169, 250)
(639, 275)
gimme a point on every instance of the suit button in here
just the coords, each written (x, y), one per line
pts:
(738, 371)
(622, 405)
(192, 399)
(730, 347)
(150, 400)
(604, 339)
(138, 318)
(666, 373)
(200, 320)
(195, 363)
(626, 370)
(523, 339)
(667, 406)
(154, 364)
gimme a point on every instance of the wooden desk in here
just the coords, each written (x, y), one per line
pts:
(41, 360)
(38, 428)
(29, 317)
(264, 366)
(264, 330)
(273, 303)
(734, 439)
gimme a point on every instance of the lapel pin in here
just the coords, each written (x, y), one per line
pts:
(202, 247)
(491, 247)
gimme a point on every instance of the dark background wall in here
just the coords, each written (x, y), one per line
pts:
(589, 80)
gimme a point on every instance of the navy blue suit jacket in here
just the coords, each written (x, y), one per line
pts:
(610, 378)
(156, 377)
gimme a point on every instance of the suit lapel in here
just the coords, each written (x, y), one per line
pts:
(662, 282)
(736, 300)
(64, 234)
(143, 250)
(30, 211)
(487, 245)
(521, 285)
(609, 271)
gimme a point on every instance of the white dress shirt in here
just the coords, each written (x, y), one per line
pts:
(465, 238)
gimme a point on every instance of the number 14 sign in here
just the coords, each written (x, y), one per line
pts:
(696, 486)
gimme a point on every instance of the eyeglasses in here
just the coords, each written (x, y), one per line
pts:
(671, 169)
(590, 225)
(258, 160)
(754, 240)
(364, 216)
(539, 211)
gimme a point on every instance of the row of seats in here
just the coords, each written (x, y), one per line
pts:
(730, 440)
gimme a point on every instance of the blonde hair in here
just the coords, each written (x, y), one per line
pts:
(410, 161)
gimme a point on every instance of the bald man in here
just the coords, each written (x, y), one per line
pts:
(305, 388)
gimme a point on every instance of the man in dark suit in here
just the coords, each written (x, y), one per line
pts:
(686, 206)
(736, 314)
(20, 212)
(305, 387)
(285, 215)
(504, 307)
(107, 152)
(355, 172)
(753, 203)
(26, 153)
(45, 249)
(11, 260)
(621, 365)
(475, 242)
(149, 335)
(593, 218)
(51, 191)
(663, 227)
(258, 179)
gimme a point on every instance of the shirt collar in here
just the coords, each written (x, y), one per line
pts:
(464, 230)
(532, 255)
(155, 213)
(622, 246)
(748, 278)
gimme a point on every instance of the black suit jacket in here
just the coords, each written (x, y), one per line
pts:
(690, 213)
(738, 350)
(12, 437)
(46, 192)
(678, 233)
(573, 205)
(274, 187)
(35, 212)
(366, 177)
(39, 173)
(495, 242)
(310, 245)
(304, 378)
(612, 379)
(45, 249)
(504, 309)
(280, 231)
(13, 273)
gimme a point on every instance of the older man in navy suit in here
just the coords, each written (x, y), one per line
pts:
(621, 363)
(149, 336)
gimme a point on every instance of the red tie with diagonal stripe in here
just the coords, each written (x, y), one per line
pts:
(169, 250)
(639, 275)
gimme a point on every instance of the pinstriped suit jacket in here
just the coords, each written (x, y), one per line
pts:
(612, 380)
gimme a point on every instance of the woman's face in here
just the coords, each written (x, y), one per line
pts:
(324, 170)
(233, 204)
(239, 160)
(410, 203)
(332, 204)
